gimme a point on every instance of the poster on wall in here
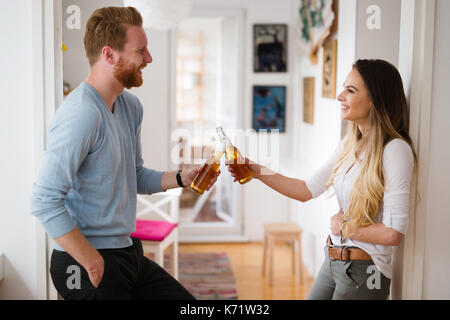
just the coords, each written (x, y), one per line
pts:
(269, 108)
(270, 47)
(316, 20)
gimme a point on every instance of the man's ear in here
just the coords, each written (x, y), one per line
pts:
(109, 55)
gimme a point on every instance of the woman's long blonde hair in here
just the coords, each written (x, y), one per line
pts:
(388, 119)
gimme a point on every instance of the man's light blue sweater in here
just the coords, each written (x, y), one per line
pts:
(92, 170)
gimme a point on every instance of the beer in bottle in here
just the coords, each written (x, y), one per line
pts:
(208, 172)
(232, 154)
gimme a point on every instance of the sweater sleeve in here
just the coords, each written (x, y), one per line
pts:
(317, 183)
(148, 180)
(398, 166)
(72, 136)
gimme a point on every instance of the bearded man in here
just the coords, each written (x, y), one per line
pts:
(86, 191)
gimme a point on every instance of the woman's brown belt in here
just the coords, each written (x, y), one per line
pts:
(346, 253)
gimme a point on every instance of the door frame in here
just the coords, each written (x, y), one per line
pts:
(47, 96)
(417, 61)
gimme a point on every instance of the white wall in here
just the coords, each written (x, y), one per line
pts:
(436, 280)
(17, 226)
(381, 43)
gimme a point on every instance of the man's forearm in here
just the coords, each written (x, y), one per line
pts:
(169, 180)
(75, 244)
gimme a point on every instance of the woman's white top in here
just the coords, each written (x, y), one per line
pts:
(398, 166)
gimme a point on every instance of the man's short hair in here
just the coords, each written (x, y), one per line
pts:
(108, 27)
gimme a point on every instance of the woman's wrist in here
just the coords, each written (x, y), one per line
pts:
(262, 171)
(352, 233)
(256, 170)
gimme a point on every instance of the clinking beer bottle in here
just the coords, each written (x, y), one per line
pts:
(232, 153)
(208, 172)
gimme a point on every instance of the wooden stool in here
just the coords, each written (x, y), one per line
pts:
(284, 232)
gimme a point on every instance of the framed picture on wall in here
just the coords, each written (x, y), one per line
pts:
(269, 108)
(270, 47)
(316, 21)
(329, 61)
(308, 100)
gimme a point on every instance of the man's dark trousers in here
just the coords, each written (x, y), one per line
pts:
(128, 275)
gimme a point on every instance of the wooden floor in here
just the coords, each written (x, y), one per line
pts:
(246, 261)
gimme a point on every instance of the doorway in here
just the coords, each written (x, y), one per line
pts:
(208, 94)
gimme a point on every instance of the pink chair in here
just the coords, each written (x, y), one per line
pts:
(158, 235)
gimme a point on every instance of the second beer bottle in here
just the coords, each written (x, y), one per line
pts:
(233, 156)
(209, 171)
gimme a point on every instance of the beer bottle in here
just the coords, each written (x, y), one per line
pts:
(208, 172)
(243, 174)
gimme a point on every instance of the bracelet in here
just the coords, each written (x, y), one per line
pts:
(179, 181)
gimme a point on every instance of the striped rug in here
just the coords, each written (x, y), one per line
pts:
(207, 276)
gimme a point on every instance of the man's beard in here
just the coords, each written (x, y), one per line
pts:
(128, 73)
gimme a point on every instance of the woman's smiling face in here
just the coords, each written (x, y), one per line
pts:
(355, 100)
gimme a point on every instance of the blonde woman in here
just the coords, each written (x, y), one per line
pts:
(371, 172)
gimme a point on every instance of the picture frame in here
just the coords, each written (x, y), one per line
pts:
(329, 66)
(269, 107)
(270, 47)
(316, 21)
(308, 99)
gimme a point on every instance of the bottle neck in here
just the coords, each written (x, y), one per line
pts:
(221, 134)
(223, 138)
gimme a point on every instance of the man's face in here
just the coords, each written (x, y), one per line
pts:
(133, 59)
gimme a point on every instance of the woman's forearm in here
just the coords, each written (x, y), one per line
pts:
(290, 187)
(376, 233)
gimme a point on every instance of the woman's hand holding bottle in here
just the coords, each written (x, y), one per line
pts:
(254, 168)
